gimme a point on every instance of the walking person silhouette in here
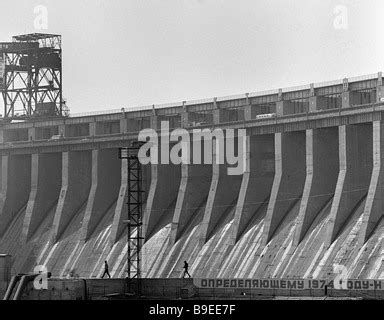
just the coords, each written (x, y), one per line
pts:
(186, 269)
(106, 271)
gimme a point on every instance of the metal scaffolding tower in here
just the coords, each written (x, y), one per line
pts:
(31, 76)
(135, 212)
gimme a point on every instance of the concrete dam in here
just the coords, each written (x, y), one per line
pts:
(311, 195)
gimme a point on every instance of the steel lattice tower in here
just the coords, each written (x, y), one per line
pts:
(31, 76)
(135, 212)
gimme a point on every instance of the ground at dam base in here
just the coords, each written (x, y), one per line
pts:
(177, 289)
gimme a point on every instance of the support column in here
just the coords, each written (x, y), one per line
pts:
(194, 189)
(222, 198)
(322, 169)
(250, 112)
(373, 210)
(219, 115)
(317, 103)
(123, 125)
(289, 179)
(118, 226)
(256, 183)
(92, 128)
(45, 189)
(186, 117)
(379, 93)
(76, 183)
(189, 118)
(351, 98)
(16, 186)
(62, 130)
(32, 134)
(162, 196)
(284, 108)
(155, 121)
(355, 156)
(106, 175)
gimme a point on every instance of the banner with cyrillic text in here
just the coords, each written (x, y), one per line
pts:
(294, 284)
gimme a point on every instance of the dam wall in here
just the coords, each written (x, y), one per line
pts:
(309, 196)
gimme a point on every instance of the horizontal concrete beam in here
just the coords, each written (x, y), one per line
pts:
(289, 123)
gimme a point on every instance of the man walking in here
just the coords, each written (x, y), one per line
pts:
(186, 269)
(106, 271)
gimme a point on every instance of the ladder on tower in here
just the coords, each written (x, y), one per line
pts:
(135, 214)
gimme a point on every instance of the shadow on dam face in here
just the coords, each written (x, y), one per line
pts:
(45, 189)
(16, 186)
(76, 183)
(105, 184)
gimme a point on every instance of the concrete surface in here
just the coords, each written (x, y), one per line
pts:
(315, 170)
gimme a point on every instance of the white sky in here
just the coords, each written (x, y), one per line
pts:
(121, 53)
